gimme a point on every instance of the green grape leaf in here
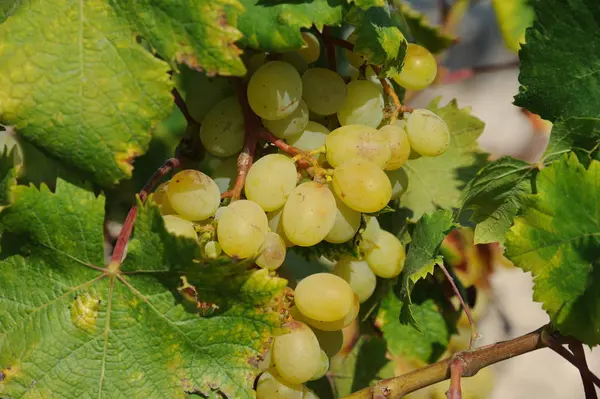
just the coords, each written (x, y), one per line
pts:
(9, 171)
(423, 32)
(572, 133)
(495, 196)
(74, 82)
(514, 17)
(407, 342)
(366, 4)
(437, 182)
(560, 80)
(7, 8)
(197, 33)
(364, 365)
(423, 255)
(274, 26)
(557, 239)
(378, 38)
(69, 327)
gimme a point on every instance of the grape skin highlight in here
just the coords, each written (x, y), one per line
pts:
(275, 90)
(362, 186)
(290, 126)
(241, 229)
(222, 132)
(193, 195)
(270, 180)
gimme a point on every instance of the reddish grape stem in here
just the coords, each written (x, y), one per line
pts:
(456, 370)
(584, 370)
(283, 146)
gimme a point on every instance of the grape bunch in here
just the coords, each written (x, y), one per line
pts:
(346, 166)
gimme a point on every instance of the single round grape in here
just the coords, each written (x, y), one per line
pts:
(363, 105)
(297, 355)
(312, 49)
(276, 226)
(357, 273)
(204, 92)
(357, 142)
(347, 223)
(193, 195)
(295, 60)
(397, 140)
(335, 325)
(362, 185)
(272, 386)
(222, 132)
(428, 134)
(308, 214)
(329, 341)
(212, 249)
(272, 253)
(323, 90)
(162, 199)
(323, 297)
(180, 227)
(387, 258)
(290, 126)
(241, 229)
(222, 170)
(323, 366)
(270, 180)
(275, 90)
(419, 70)
(399, 180)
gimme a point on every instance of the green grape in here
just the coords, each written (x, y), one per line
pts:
(372, 77)
(363, 105)
(212, 249)
(272, 252)
(313, 137)
(308, 214)
(295, 60)
(222, 132)
(352, 142)
(275, 90)
(323, 366)
(362, 185)
(290, 126)
(357, 273)
(323, 90)
(387, 258)
(193, 195)
(397, 139)
(222, 170)
(369, 234)
(309, 394)
(203, 93)
(428, 134)
(270, 180)
(329, 341)
(254, 62)
(312, 49)
(329, 326)
(162, 199)
(323, 297)
(347, 222)
(272, 386)
(399, 180)
(180, 227)
(297, 355)
(276, 226)
(419, 70)
(241, 229)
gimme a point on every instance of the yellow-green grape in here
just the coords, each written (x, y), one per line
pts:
(372, 77)
(204, 92)
(353, 142)
(309, 394)
(387, 258)
(297, 355)
(323, 297)
(222, 132)
(272, 253)
(290, 126)
(254, 62)
(362, 185)
(357, 273)
(397, 140)
(295, 60)
(212, 249)
(276, 226)
(323, 366)
(193, 195)
(162, 199)
(272, 386)
(241, 229)
(428, 134)
(369, 234)
(308, 214)
(270, 180)
(323, 90)
(399, 180)
(312, 49)
(363, 105)
(329, 341)
(419, 68)
(335, 325)
(222, 170)
(275, 90)
(313, 137)
(347, 223)
(180, 227)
